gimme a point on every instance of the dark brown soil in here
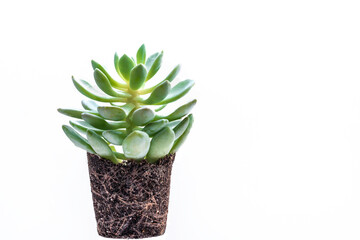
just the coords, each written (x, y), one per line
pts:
(130, 200)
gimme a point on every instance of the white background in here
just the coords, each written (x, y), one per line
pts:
(274, 152)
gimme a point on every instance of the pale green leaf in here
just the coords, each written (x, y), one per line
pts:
(136, 145)
(158, 94)
(178, 91)
(150, 60)
(100, 146)
(101, 123)
(182, 138)
(126, 64)
(155, 67)
(86, 89)
(141, 55)
(155, 127)
(181, 127)
(89, 105)
(142, 116)
(112, 113)
(104, 84)
(74, 112)
(112, 81)
(181, 111)
(114, 136)
(137, 77)
(160, 145)
(77, 139)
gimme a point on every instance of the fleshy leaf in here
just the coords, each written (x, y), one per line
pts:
(173, 124)
(181, 111)
(161, 144)
(150, 60)
(112, 113)
(101, 123)
(73, 112)
(89, 105)
(169, 78)
(114, 136)
(112, 81)
(158, 94)
(86, 89)
(120, 156)
(182, 138)
(142, 116)
(137, 76)
(136, 145)
(172, 75)
(141, 55)
(154, 127)
(104, 84)
(128, 107)
(125, 66)
(181, 127)
(178, 91)
(116, 64)
(155, 67)
(100, 146)
(160, 108)
(83, 126)
(77, 139)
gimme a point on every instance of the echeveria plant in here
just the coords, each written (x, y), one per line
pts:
(129, 118)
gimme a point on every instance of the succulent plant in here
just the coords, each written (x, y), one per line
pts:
(128, 119)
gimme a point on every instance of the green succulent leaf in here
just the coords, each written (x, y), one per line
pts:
(138, 76)
(114, 136)
(86, 89)
(101, 123)
(120, 156)
(155, 127)
(181, 111)
(182, 138)
(112, 81)
(136, 145)
(100, 146)
(173, 124)
(161, 144)
(89, 105)
(116, 64)
(95, 121)
(158, 94)
(178, 91)
(169, 78)
(142, 116)
(141, 55)
(126, 64)
(77, 139)
(112, 113)
(172, 75)
(73, 112)
(104, 84)
(160, 108)
(149, 62)
(83, 126)
(181, 127)
(155, 66)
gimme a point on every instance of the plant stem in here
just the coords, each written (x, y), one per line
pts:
(132, 100)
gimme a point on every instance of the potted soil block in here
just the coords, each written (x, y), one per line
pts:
(130, 200)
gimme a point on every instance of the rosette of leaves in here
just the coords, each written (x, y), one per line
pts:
(122, 118)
